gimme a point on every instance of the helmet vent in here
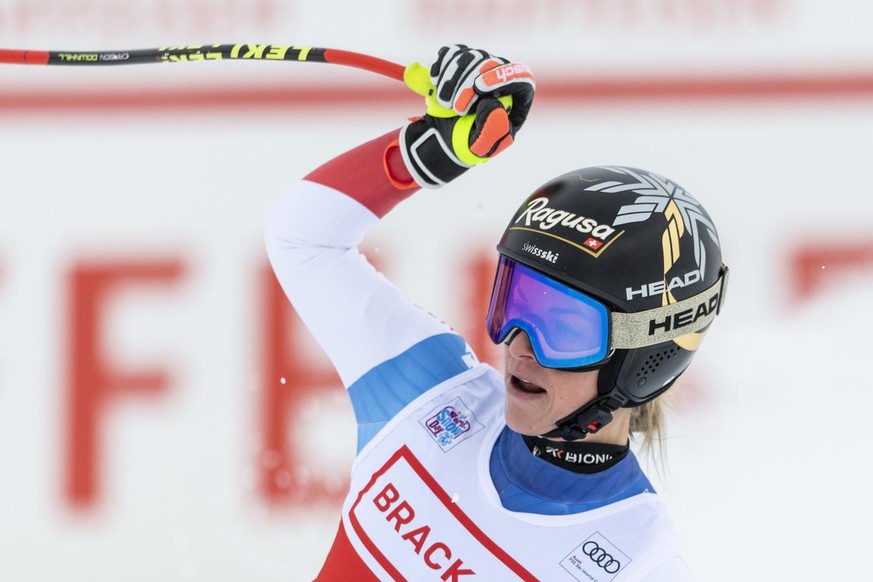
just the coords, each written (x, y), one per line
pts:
(654, 361)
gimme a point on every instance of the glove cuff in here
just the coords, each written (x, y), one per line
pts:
(427, 155)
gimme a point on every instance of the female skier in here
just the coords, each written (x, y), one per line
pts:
(607, 280)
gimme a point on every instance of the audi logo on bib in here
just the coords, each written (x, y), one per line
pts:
(601, 558)
(596, 558)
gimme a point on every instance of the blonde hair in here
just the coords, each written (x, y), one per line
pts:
(647, 422)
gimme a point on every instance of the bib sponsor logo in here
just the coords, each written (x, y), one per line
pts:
(450, 424)
(595, 560)
(415, 531)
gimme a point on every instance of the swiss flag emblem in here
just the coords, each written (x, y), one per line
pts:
(593, 243)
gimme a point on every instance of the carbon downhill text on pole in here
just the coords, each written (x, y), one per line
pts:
(213, 52)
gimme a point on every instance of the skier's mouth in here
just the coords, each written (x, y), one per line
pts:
(524, 386)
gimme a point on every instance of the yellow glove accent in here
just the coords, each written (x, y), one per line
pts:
(417, 77)
(461, 136)
(461, 141)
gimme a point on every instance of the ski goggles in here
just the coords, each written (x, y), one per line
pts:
(570, 329)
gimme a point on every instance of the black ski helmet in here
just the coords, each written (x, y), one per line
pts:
(641, 245)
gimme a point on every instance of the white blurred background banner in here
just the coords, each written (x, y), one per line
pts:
(163, 416)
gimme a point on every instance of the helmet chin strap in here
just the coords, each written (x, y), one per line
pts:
(589, 418)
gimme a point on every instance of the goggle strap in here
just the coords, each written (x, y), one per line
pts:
(653, 326)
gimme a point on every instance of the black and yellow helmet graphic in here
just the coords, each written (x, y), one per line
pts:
(636, 241)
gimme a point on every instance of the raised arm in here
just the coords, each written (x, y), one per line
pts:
(386, 349)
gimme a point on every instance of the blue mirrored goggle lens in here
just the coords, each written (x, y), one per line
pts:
(567, 329)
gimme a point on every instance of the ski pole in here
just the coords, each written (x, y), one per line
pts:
(415, 76)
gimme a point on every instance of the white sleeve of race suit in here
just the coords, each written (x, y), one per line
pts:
(358, 317)
(673, 569)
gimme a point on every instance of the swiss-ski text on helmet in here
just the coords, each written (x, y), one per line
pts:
(660, 286)
(540, 215)
(541, 253)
